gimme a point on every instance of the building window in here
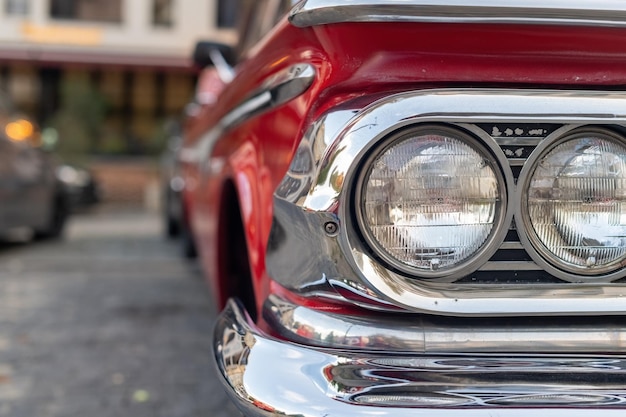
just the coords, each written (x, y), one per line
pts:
(87, 10)
(226, 13)
(16, 7)
(162, 13)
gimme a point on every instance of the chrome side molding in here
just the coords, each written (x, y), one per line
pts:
(276, 90)
(610, 13)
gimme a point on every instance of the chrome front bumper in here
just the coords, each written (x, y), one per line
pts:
(269, 377)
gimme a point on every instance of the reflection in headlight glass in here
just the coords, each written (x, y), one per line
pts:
(576, 203)
(431, 201)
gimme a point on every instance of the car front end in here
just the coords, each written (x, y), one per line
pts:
(449, 238)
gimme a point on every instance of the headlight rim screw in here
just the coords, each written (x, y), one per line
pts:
(331, 228)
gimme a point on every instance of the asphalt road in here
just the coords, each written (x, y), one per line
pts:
(107, 322)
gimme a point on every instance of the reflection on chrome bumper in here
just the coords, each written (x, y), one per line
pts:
(422, 334)
(269, 377)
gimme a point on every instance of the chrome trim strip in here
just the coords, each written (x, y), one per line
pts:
(518, 141)
(308, 199)
(610, 13)
(511, 245)
(460, 106)
(278, 89)
(224, 70)
(517, 162)
(312, 382)
(422, 334)
(510, 266)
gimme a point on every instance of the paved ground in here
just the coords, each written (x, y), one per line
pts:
(107, 322)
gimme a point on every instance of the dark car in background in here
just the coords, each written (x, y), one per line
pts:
(79, 185)
(172, 182)
(417, 208)
(31, 194)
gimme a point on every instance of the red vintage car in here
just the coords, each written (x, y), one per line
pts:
(418, 208)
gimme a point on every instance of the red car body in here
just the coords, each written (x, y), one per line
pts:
(506, 348)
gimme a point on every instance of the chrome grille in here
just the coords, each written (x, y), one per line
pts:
(511, 264)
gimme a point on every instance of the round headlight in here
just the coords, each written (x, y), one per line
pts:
(573, 204)
(431, 200)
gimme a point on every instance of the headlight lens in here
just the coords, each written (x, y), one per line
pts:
(432, 197)
(575, 213)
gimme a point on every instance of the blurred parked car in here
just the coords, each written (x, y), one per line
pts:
(31, 194)
(417, 208)
(80, 186)
(172, 181)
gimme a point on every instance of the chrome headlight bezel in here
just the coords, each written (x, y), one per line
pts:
(533, 244)
(492, 156)
(510, 283)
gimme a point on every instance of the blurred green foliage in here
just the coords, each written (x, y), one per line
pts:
(79, 119)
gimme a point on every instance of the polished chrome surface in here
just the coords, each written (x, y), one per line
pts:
(281, 87)
(278, 89)
(552, 12)
(456, 107)
(224, 70)
(312, 382)
(318, 189)
(438, 335)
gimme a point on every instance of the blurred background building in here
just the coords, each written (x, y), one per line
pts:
(107, 77)
(106, 73)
